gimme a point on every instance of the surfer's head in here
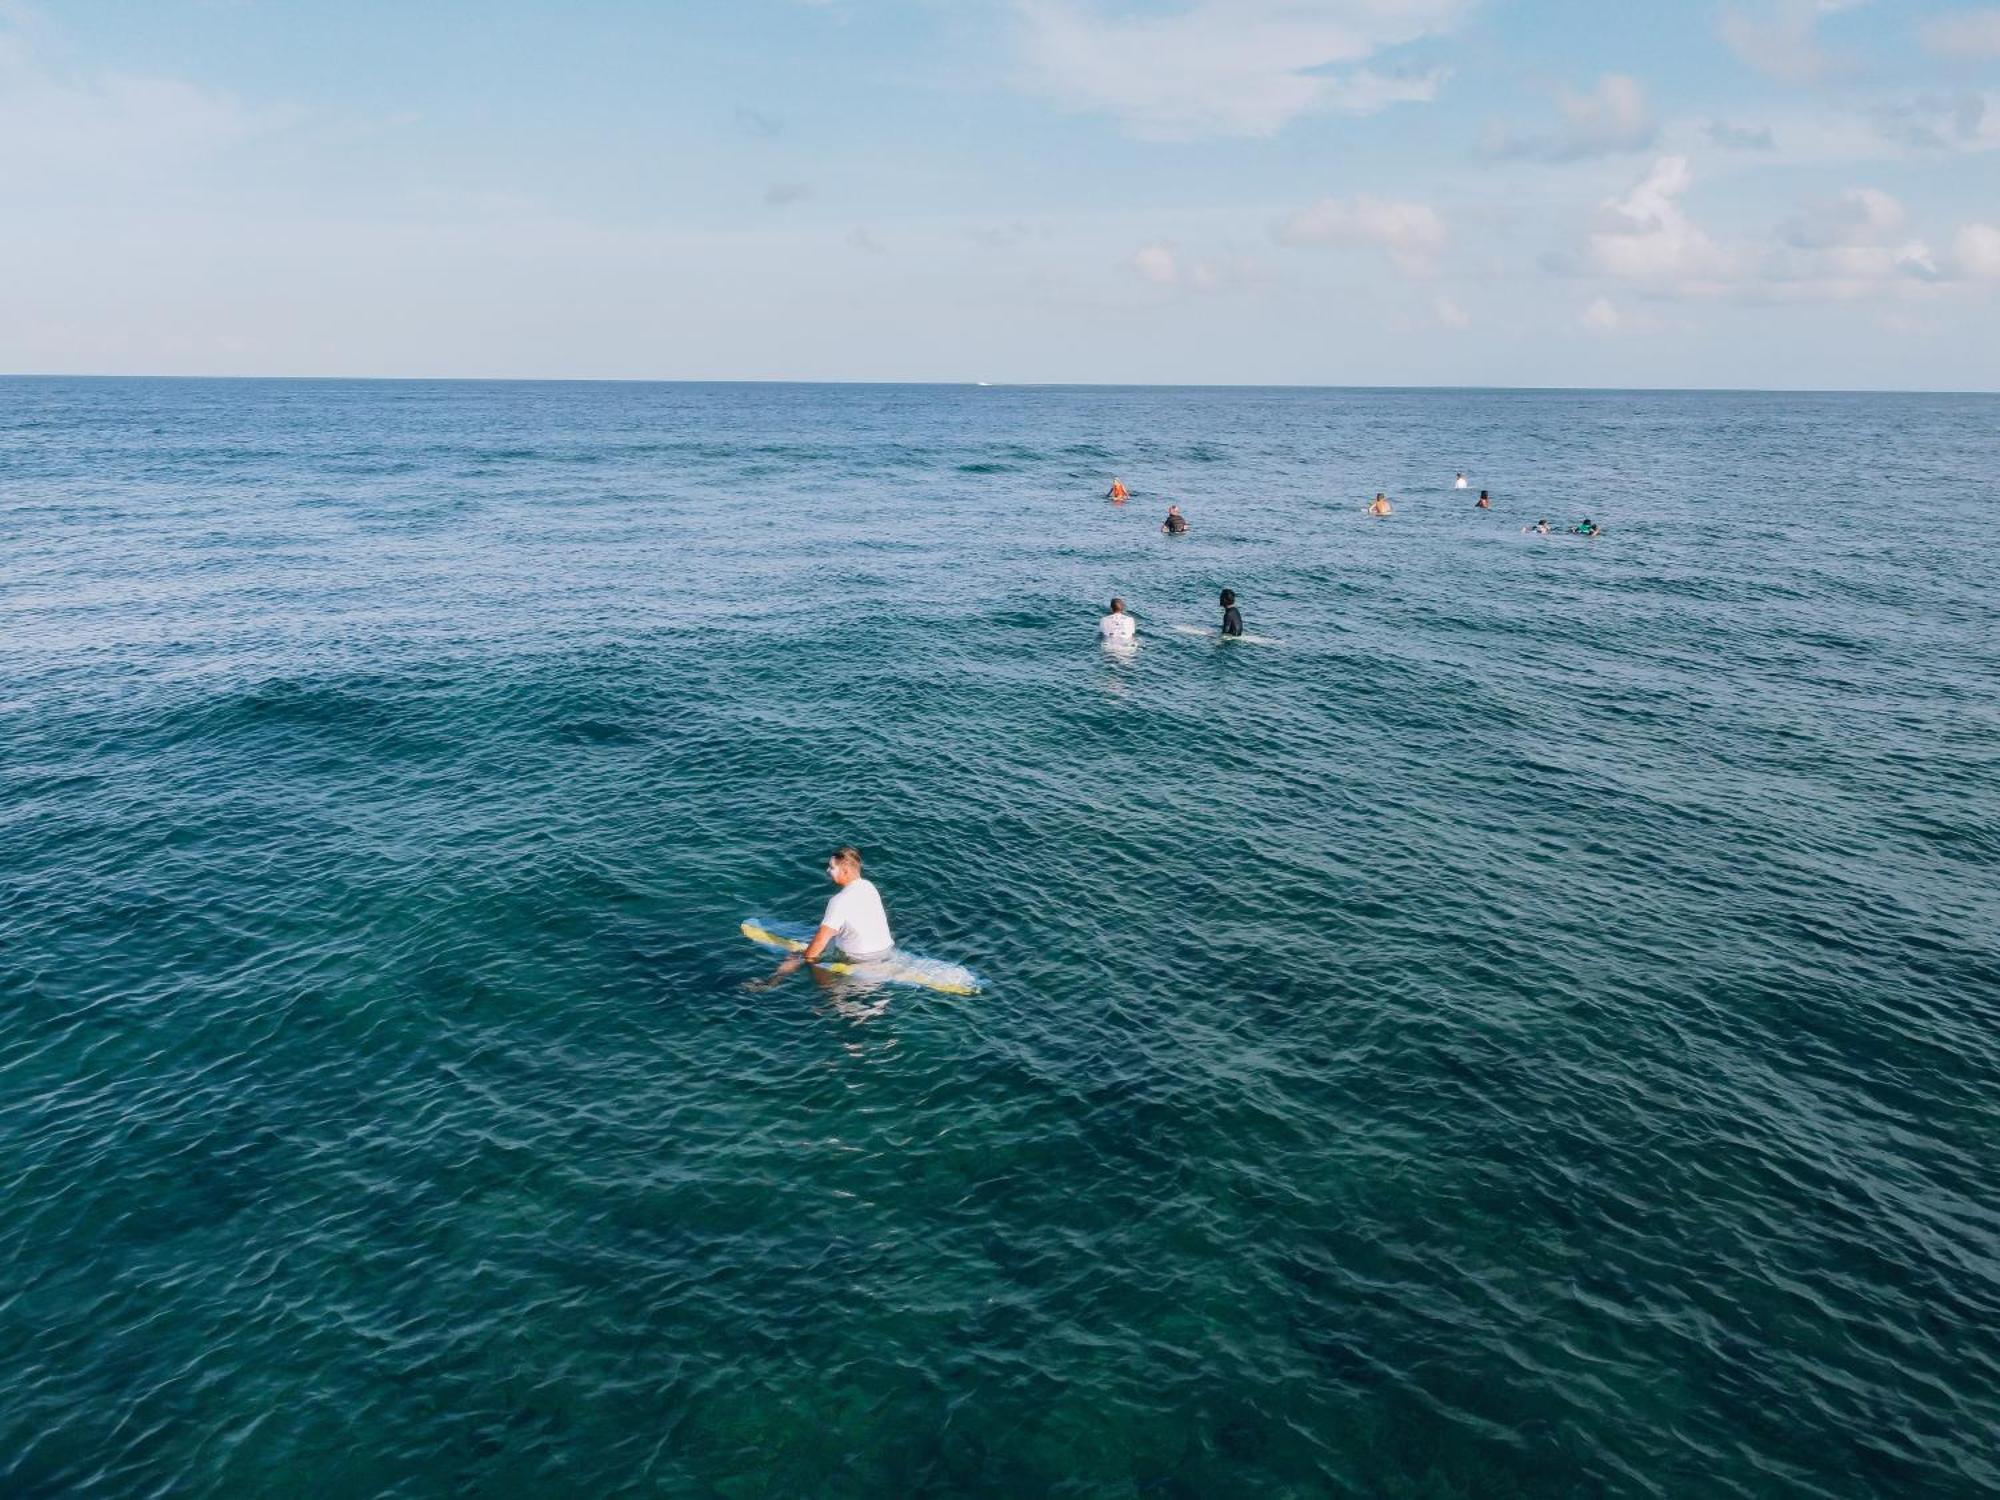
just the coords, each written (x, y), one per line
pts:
(1118, 606)
(844, 864)
(1228, 598)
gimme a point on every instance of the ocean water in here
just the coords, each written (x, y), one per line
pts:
(1533, 1030)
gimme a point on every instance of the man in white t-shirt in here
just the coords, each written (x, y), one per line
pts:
(854, 920)
(1117, 628)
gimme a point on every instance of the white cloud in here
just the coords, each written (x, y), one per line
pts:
(1964, 121)
(1227, 67)
(1601, 316)
(1741, 137)
(1859, 216)
(1970, 34)
(1804, 132)
(1845, 248)
(1413, 234)
(1163, 266)
(1781, 37)
(1612, 117)
(1915, 259)
(1365, 91)
(1156, 263)
(74, 132)
(1006, 236)
(1647, 237)
(1449, 313)
(1843, 273)
(1976, 252)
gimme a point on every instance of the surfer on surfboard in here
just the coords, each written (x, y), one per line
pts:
(854, 922)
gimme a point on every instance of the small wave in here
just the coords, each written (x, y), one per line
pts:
(597, 732)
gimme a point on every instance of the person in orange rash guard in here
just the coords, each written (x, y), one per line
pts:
(1118, 491)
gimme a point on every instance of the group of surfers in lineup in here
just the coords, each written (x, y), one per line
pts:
(1176, 523)
(855, 921)
(1380, 506)
(1117, 628)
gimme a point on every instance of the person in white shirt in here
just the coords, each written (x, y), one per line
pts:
(1117, 628)
(854, 920)
(1461, 483)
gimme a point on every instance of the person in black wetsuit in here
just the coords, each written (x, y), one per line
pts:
(1175, 523)
(1232, 617)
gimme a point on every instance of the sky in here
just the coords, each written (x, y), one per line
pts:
(1790, 194)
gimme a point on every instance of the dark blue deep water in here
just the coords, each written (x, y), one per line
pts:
(1534, 1031)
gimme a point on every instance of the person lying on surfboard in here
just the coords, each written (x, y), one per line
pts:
(854, 922)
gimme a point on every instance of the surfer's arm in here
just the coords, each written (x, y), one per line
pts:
(818, 945)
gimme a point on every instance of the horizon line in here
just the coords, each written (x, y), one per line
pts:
(1149, 385)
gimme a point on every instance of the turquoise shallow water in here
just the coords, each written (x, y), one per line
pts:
(1534, 1032)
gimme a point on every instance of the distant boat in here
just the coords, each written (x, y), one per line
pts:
(982, 382)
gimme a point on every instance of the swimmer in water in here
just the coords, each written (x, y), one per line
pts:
(854, 921)
(1175, 523)
(1117, 628)
(1586, 527)
(1232, 617)
(1483, 502)
(1381, 506)
(1118, 494)
(1460, 482)
(1542, 526)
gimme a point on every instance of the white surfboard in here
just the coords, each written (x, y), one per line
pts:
(898, 968)
(1208, 633)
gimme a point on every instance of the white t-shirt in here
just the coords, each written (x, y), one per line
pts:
(1116, 629)
(1460, 483)
(860, 925)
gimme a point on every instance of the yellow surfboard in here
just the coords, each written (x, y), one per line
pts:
(897, 968)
